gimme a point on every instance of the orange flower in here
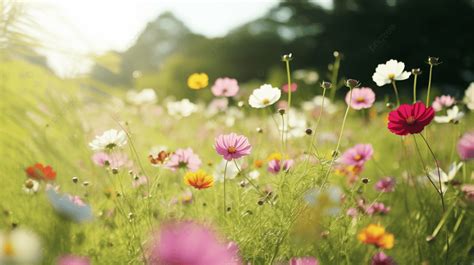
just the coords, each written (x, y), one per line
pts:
(198, 81)
(376, 235)
(199, 179)
(258, 163)
(159, 158)
(40, 172)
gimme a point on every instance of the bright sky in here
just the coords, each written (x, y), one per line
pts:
(71, 29)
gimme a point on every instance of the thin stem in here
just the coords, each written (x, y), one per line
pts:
(319, 119)
(414, 88)
(424, 165)
(396, 92)
(225, 172)
(289, 98)
(429, 86)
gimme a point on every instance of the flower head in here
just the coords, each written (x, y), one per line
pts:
(293, 86)
(225, 87)
(410, 119)
(192, 244)
(31, 186)
(73, 260)
(390, 71)
(20, 246)
(114, 160)
(199, 179)
(466, 146)
(304, 261)
(362, 98)
(276, 165)
(443, 101)
(264, 96)
(468, 190)
(181, 108)
(40, 172)
(231, 171)
(158, 157)
(198, 81)
(376, 235)
(232, 146)
(145, 96)
(109, 140)
(71, 207)
(183, 159)
(377, 208)
(381, 258)
(357, 155)
(386, 184)
(469, 96)
(452, 115)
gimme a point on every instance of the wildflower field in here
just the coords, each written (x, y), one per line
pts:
(301, 171)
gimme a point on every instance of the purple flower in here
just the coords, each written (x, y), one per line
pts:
(386, 184)
(73, 260)
(466, 146)
(191, 244)
(183, 159)
(232, 146)
(377, 208)
(357, 155)
(274, 166)
(225, 87)
(381, 258)
(443, 101)
(362, 98)
(304, 261)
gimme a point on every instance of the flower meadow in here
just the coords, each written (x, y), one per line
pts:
(257, 174)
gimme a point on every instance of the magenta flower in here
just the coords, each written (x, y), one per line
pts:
(274, 166)
(183, 159)
(191, 244)
(294, 87)
(444, 101)
(377, 208)
(232, 146)
(225, 87)
(362, 98)
(73, 260)
(304, 261)
(357, 155)
(466, 146)
(386, 184)
(381, 258)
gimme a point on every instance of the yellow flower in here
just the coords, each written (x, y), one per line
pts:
(198, 81)
(199, 179)
(274, 156)
(375, 234)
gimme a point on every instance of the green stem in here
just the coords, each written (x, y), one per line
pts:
(289, 98)
(396, 92)
(414, 88)
(225, 172)
(429, 86)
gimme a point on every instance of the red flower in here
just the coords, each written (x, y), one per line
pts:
(40, 172)
(410, 119)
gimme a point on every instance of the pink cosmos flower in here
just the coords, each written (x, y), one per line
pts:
(377, 208)
(191, 244)
(386, 184)
(114, 160)
(219, 104)
(357, 155)
(183, 159)
(225, 87)
(274, 166)
(304, 261)
(362, 98)
(352, 212)
(294, 87)
(466, 146)
(381, 258)
(73, 260)
(468, 190)
(444, 101)
(232, 146)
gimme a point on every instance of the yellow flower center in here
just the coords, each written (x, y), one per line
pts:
(410, 120)
(231, 149)
(360, 99)
(357, 157)
(8, 249)
(265, 101)
(391, 76)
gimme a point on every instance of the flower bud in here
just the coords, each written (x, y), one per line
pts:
(416, 71)
(281, 111)
(287, 57)
(351, 83)
(365, 180)
(433, 60)
(75, 179)
(259, 130)
(337, 54)
(309, 131)
(85, 183)
(326, 85)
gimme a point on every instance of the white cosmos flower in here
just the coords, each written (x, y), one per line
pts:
(231, 172)
(453, 115)
(31, 186)
(445, 177)
(317, 103)
(254, 174)
(146, 96)
(20, 246)
(181, 108)
(391, 70)
(264, 96)
(469, 96)
(297, 124)
(109, 140)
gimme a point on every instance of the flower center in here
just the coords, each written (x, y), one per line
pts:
(8, 249)
(265, 101)
(391, 76)
(29, 184)
(182, 164)
(231, 149)
(360, 99)
(357, 157)
(110, 146)
(410, 120)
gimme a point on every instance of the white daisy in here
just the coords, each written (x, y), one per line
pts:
(31, 186)
(469, 96)
(146, 96)
(391, 70)
(264, 96)
(20, 246)
(452, 115)
(109, 140)
(182, 108)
